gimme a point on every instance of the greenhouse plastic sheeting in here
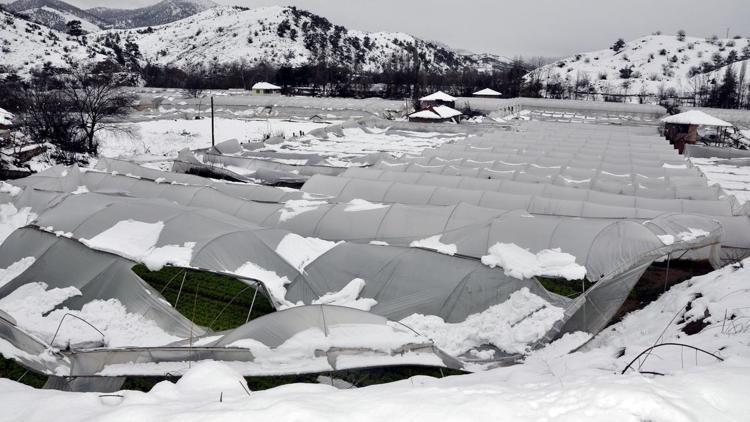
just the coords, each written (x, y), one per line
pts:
(332, 350)
(403, 281)
(563, 176)
(346, 187)
(594, 204)
(337, 345)
(239, 190)
(63, 263)
(471, 229)
(650, 111)
(509, 141)
(224, 244)
(597, 204)
(614, 165)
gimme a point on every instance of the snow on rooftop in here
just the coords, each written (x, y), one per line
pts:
(11, 218)
(266, 86)
(436, 113)
(137, 240)
(300, 251)
(38, 307)
(695, 117)
(348, 296)
(438, 96)
(520, 263)
(510, 326)
(434, 243)
(487, 92)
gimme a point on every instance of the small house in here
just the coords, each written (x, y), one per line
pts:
(265, 88)
(682, 128)
(487, 93)
(439, 98)
(436, 114)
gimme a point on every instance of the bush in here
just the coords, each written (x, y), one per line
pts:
(681, 34)
(618, 45)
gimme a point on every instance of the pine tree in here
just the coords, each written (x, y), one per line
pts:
(728, 90)
(74, 28)
(618, 45)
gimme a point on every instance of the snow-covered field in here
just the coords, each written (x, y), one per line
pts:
(160, 140)
(551, 384)
(157, 142)
(357, 141)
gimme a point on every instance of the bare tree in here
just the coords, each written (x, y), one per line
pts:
(69, 113)
(699, 88)
(96, 100)
(195, 82)
(48, 118)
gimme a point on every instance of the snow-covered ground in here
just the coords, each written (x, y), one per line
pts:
(734, 179)
(551, 384)
(160, 140)
(357, 141)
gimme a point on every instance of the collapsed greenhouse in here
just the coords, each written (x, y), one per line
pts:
(466, 233)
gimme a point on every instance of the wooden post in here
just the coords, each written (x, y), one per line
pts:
(212, 122)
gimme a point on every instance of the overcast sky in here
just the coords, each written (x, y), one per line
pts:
(519, 27)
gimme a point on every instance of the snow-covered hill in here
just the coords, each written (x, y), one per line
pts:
(646, 65)
(55, 14)
(160, 13)
(226, 34)
(25, 45)
(284, 36)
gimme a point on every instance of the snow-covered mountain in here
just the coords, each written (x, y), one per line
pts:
(25, 45)
(160, 13)
(286, 36)
(224, 34)
(55, 14)
(646, 65)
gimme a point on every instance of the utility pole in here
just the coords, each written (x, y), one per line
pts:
(212, 122)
